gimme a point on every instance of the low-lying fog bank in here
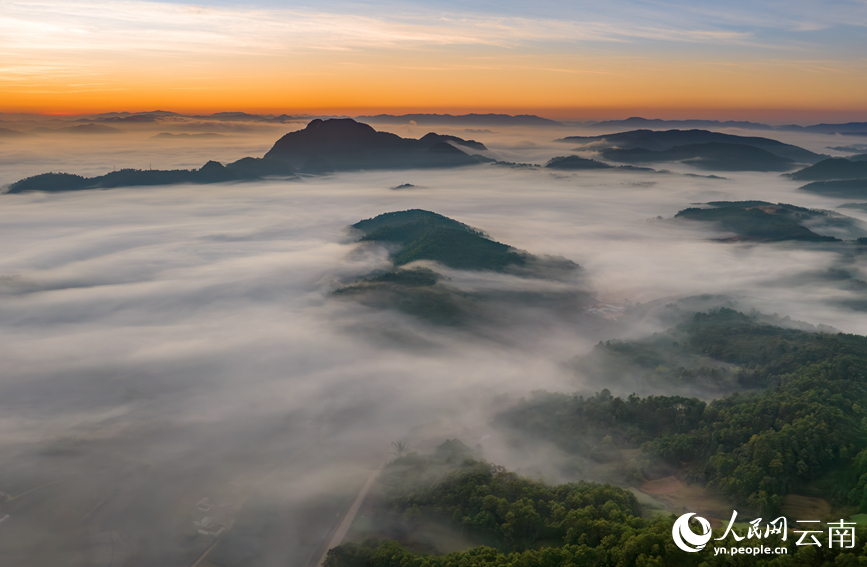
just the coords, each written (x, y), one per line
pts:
(165, 344)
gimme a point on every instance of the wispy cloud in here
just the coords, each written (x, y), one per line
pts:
(155, 26)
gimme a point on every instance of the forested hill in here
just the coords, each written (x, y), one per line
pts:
(802, 427)
(524, 523)
(417, 235)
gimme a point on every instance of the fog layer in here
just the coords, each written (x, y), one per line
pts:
(165, 344)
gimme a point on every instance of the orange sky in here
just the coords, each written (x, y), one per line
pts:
(92, 56)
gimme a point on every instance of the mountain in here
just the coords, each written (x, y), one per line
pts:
(712, 155)
(416, 235)
(136, 117)
(464, 120)
(184, 135)
(664, 140)
(832, 168)
(212, 172)
(344, 144)
(80, 129)
(848, 128)
(760, 221)
(656, 123)
(843, 188)
(424, 235)
(128, 114)
(8, 133)
(575, 162)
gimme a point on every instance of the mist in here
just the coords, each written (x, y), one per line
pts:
(164, 344)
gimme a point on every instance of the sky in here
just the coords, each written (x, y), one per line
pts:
(770, 60)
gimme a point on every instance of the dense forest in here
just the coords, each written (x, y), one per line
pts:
(794, 423)
(525, 523)
(801, 416)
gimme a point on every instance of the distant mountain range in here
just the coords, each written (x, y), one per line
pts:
(163, 115)
(499, 120)
(656, 123)
(80, 129)
(474, 119)
(851, 128)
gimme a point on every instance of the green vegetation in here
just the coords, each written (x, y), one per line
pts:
(806, 417)
(424, 235)
(762, 222)
(524, 523)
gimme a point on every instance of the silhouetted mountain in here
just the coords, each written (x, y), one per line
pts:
(760, 221)
(160, 115)
(170, 136)
(638, 122)
(81, 129)
(832, 168)
(844, 188)
(859, 157)
(152, 116)
(575, 162)
(464, 120)
(712, 156)
(344, 144)
(431, 139)
(131, 114)
(212, 172)
(7, 133)
(232, 116)
(854, 148)
(664, 140)
(848, 128)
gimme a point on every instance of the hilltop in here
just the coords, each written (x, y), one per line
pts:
(424, 236)
(659, 141)
(844, 188)
(344, 144)
(833, 168)
(760, 221)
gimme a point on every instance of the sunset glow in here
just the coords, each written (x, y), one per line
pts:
(662, 59)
